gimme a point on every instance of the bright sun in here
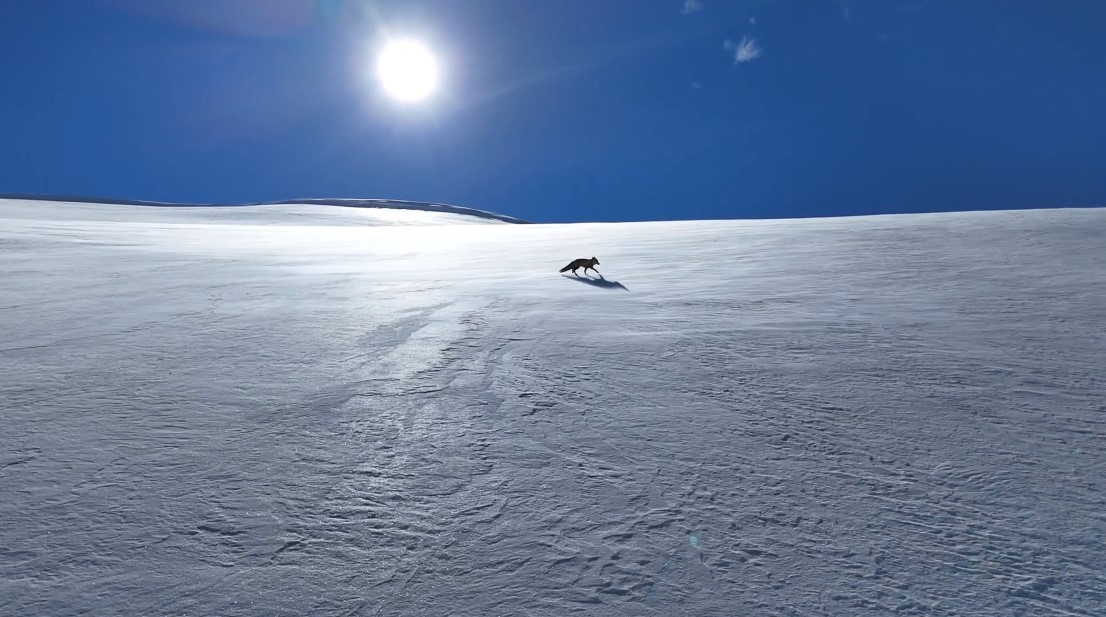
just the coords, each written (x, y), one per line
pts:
(407, 70)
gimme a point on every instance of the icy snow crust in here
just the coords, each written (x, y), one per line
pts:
(304, 413)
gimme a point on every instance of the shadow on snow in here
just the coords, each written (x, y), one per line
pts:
(596, 282)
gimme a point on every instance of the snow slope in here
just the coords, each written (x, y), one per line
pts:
(273, 411)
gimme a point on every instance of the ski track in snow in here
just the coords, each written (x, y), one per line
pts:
(242, 413)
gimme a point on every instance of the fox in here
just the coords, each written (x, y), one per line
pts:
(586, 264)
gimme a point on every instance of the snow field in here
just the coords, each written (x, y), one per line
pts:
(289, 410)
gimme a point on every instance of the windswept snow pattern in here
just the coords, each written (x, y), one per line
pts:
(266, 413)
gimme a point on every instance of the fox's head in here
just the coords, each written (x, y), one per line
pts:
(594, 261)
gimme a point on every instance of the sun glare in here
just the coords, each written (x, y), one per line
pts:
(407, 70)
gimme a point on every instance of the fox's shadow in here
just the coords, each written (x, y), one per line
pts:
(597, 282)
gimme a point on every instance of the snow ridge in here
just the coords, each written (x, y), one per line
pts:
(393, 204)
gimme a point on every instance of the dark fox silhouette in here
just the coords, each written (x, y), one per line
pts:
(586, 264)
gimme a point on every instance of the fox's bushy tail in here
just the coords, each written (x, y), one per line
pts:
(566, 268)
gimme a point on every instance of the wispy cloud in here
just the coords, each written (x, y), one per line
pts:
(748, 49)
(846, 8)
(692, 6)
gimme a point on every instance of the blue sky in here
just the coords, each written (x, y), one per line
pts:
(564, 110)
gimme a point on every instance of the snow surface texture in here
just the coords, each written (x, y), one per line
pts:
(295, 410)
